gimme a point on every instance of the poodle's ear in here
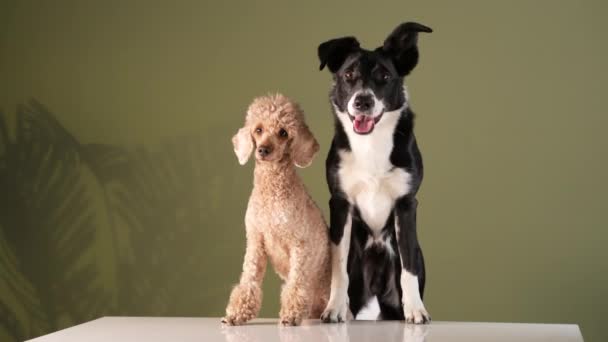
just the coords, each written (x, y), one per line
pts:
(402, 46)
(243, 144)
(333, 52)
(304, 147)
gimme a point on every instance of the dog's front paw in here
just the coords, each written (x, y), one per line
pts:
(243, 305)
(295, 304)
(335, 312)
(234, 319)
(292, 319)
(417, 315)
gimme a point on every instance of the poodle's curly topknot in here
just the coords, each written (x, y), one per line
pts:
(275, 106)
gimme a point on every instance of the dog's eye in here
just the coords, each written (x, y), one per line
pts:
(386, 76)
(283, 133)
(348, 75)
(258, 130)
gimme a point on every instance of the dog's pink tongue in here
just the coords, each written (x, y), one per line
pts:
(363, 123)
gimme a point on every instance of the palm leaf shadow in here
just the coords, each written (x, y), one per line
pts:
(91, 229)
(158, 204)
(54, 221)
(20, 309)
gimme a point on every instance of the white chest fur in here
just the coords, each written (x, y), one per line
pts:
(366, 173)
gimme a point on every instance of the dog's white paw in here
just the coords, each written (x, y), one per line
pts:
(335, 312)
(417, 315)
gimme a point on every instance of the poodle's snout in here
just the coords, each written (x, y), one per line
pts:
(264, 150)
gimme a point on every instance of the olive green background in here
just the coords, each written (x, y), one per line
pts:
(120, 194)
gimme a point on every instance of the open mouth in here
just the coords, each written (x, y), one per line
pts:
(364, 124)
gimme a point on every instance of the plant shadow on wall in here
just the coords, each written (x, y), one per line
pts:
(88, 230)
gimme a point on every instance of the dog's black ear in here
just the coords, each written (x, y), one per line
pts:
(333, 52)
(402, 46)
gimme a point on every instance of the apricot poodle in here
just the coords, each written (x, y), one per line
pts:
(282, 221)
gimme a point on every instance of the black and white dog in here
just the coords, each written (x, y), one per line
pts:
(374, 170)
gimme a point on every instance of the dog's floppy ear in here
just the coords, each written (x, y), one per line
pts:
(401, 46)
(304, 147)
(243, 144)
(333, 52)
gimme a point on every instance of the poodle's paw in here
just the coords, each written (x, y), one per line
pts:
(335, 312)
(417, 315)
(296, 303)
(235, 319)
(243, 305)
(291, 319)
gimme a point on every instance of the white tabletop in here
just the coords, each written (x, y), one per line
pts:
(154, 329)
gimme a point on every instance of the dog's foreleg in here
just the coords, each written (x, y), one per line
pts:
(340, 231)
(246, 297)
(298, 291)
(411, 261)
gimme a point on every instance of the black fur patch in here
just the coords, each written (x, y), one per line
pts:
(332, 53)
(339, 208)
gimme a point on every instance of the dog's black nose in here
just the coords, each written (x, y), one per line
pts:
(264, 150)
(364, 102)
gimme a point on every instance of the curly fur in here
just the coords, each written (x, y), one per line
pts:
(283, 223)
